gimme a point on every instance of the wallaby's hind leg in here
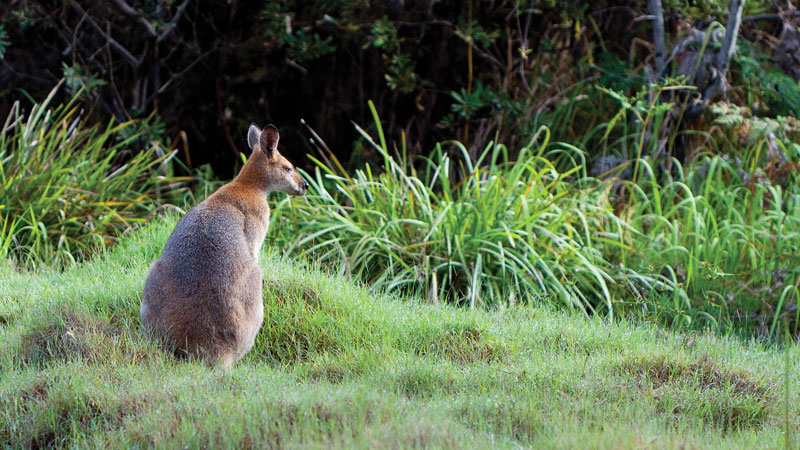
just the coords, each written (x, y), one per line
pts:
(252, 303)
(225, 360)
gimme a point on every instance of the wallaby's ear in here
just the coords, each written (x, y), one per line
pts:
(269, 139)
(252, 136)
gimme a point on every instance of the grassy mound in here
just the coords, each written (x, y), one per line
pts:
(336, 364)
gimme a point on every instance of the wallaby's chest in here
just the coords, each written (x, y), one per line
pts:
(255, 230)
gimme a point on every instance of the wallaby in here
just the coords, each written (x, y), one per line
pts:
(203, 296)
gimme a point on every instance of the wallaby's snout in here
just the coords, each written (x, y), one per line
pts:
(290, 180)
(303, 186)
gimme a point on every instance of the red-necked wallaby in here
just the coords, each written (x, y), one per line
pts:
(203, 296)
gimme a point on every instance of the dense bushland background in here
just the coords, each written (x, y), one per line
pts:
(436, 70)
(481, 153)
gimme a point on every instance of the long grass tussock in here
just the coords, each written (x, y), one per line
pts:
(490, 232)
(706, 244)
(69, 188)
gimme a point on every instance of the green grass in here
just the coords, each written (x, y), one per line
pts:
(339, 364)
(731, 246)
(69, 187)
(711, 244)
(492, 232)
(723, 226)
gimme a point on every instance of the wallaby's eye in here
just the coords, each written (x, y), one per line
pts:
(289, 169)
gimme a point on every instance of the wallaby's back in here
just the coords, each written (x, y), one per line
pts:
(203, 295)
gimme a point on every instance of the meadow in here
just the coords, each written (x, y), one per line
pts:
(340, 364)
(446, 301)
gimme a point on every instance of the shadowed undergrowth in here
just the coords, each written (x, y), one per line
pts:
(338, 365)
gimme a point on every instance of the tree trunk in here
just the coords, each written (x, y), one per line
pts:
(731, 32)
(723, 60)
(658, 36)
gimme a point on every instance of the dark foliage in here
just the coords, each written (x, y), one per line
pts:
(436, 70)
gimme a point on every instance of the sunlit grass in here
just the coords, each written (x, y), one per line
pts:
(700, 246)
(339, 365)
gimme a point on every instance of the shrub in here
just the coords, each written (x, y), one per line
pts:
(487, 232)
(68, 188)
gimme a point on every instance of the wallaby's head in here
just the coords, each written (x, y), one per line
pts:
(279, 173)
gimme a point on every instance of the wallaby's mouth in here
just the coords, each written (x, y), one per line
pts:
(303, 187)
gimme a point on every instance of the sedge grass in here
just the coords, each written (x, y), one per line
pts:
(490, 232)
(733, 247)
(68, 188)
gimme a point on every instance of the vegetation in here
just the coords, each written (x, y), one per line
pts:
(710, 247)
(494, 232)
(68, 188)
(436, 70)
(728, 244)
(339, 365)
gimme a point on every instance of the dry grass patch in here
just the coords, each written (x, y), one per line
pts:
(717, 395)
(68, 335)
(705, 374)
(461, 343)
(52, 406)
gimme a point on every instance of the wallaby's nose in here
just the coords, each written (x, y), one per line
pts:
(305, 185)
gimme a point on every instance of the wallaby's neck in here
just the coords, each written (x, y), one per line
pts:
(251, 176)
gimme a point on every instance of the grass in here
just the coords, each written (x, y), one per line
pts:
(709, 244)
(723, 226)
(731, 246)
(69, 187)
(337, 364)
(491, 232)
